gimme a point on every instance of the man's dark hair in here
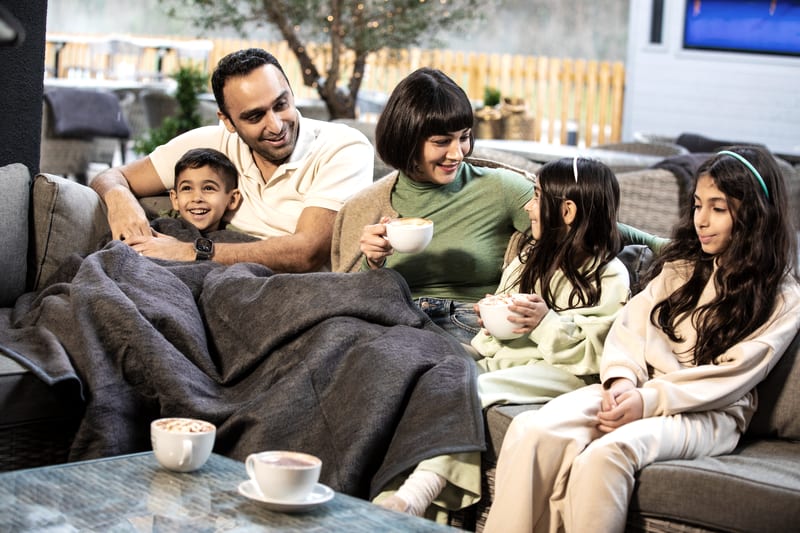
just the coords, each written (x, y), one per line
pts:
(239, 63)
(208, 157)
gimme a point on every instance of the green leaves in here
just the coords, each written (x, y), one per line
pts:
(191, 82)
(357, 27)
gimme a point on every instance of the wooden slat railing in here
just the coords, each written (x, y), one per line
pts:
(562, 95)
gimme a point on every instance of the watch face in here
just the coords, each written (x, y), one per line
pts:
(204, 249)
(204, 245)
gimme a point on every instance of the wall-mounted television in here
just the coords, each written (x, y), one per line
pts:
(752, 26)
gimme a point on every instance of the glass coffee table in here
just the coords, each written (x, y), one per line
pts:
(134, 493)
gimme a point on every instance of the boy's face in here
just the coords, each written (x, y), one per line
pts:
(200, 197)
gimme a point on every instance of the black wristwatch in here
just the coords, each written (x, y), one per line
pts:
(204, 249)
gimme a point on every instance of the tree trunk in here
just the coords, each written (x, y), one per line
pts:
(341, 103)
(340, 106)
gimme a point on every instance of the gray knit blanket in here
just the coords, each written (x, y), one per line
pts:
(342, 366)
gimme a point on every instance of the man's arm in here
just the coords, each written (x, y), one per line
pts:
(307, 250)
(119, 188)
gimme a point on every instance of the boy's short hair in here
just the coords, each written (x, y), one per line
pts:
(208, 157)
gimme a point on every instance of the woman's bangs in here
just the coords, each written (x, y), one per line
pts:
(449, 114)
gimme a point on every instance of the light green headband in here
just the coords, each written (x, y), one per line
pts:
(747, 163)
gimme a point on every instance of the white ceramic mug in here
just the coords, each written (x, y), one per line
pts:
(409, 235)
(283, 475)
(182, 444)
(494, 314)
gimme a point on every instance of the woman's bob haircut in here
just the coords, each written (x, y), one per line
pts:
(425, 103)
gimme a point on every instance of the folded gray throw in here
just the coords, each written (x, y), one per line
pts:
(342, 366)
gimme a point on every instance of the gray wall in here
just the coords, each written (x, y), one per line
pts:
(723, 95)
(21, 86)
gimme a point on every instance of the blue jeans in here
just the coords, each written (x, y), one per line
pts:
(457, 318)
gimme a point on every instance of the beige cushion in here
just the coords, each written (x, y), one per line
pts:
(67, 218)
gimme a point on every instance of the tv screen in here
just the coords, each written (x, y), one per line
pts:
(753, 26)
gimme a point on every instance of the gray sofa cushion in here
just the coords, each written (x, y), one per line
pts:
(67, 218)
(16, 183)
(754, 488)
(778, 413)
(498, 418)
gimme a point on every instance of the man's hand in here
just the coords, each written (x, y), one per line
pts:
(125, 215)
(621, 404)
(162, 247)
(119, 188)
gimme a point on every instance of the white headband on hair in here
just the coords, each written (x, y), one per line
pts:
(575, 167)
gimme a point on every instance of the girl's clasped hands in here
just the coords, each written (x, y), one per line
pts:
(621, 404)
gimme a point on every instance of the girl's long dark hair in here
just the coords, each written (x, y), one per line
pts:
(593, 237)
(749, 271)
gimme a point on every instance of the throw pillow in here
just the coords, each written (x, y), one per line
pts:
(86, 113)
(67, 218)
(778, 412)
(16, 181)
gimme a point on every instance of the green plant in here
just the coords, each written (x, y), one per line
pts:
(491, 96)
(190, 83)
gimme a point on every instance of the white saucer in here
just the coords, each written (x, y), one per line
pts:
(319, 495)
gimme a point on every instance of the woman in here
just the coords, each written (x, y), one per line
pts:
(425, 131)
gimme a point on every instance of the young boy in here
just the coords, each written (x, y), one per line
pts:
(205, 191)
(205, 188)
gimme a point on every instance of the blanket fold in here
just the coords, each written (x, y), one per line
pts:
(342, 366)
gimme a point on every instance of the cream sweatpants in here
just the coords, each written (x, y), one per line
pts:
(557, 472)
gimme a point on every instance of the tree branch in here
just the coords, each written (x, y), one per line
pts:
(275, 10)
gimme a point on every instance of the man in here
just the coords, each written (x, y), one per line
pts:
(295, 173)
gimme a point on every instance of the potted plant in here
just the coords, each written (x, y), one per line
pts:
(190, 83)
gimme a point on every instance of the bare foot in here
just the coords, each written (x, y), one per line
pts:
(396, 503)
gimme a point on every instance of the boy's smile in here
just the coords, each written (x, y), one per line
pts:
(201, 198)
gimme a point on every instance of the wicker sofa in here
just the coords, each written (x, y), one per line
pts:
(756, 488)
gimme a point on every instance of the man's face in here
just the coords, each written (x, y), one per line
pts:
(261, 110)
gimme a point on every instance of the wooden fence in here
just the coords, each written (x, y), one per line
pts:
(562, 100)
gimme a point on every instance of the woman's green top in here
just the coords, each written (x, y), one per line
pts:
(473, 219)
